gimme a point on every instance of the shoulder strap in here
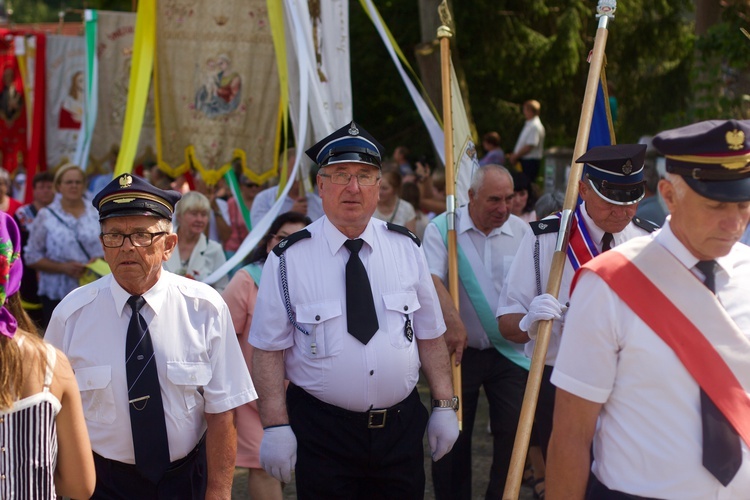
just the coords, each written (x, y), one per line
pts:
(75, 234)
(545, 226)
(404, 231)
(290, 240)
(51, 360)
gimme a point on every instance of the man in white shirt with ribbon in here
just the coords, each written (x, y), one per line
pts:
(654, 365)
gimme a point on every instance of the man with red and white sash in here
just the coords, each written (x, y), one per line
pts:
(611, 187)
(654, 364)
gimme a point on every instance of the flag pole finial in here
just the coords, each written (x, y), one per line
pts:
(606, 8)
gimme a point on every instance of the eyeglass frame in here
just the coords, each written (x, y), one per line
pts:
(349, 178)
(129, 236)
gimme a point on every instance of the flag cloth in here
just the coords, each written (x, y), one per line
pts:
(602, 131)
(464, 151)
(216, 86)
(35, 160)
(65, 95)
(13, 121)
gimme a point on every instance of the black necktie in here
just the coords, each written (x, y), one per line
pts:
(722, 455)
(361, 320)
(607, 241)
(144, 394)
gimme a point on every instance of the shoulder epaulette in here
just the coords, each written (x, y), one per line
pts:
(545, 226)
(290, 240)
(405, 232)
(645, 224)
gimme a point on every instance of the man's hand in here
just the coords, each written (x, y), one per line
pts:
(300, 205)
(543, 307)
(456, 339)
(278, 452)
(442, 431)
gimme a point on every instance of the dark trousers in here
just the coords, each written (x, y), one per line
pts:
(48, 305)
(339, 457)
(186, 479)
(530, 168)
(597, 491)
(504, 383)
(545, 409)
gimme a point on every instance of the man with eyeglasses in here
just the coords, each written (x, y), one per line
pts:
(155, 356)
(348, 312)
(611, 187)
(488, 236)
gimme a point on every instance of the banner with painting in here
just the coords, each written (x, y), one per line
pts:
(65, 96)
(13, 120)
(217, 87)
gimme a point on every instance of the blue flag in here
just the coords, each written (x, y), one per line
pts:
(602, 131)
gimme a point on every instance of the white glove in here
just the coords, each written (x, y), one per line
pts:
(278, 452)
(543, 307)
(442, 431)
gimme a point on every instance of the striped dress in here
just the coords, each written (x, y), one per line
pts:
(28, 443)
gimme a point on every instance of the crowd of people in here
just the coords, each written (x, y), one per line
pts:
(303, 362)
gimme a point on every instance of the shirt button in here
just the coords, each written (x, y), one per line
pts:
(406, 308)
(317, 317)
(192, 377)
(372, 371)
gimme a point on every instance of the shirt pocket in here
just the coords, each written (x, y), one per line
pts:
(97, 398)
(188, 379)
(399, 313)
(319, 319)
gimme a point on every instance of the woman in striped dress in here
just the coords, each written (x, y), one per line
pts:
(44, 445)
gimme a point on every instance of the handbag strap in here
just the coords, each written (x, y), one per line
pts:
(88, 256)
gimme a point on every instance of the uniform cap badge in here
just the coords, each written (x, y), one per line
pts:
(735, 139)
(283, 243)
(126, 181)
(353, 130)
(627, 168)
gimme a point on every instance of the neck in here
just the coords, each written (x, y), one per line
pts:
(188, 237)
(351, 232)
(485, 230)
(73, 204)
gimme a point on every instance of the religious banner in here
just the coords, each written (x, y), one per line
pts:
(217, 87)
(114, 52)
(65, 94)
(13, 120)
(324, 30)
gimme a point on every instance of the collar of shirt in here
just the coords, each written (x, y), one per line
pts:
(336, 238)
(668, 240)
(465, 223)
(154, 296)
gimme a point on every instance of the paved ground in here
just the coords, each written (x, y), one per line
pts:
(481, 456)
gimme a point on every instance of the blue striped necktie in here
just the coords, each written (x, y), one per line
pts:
(147, 421)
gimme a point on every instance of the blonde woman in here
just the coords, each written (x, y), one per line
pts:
(43, 438)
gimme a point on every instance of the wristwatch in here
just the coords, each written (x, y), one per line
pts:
(446, 403)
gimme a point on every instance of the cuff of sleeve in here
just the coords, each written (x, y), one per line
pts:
(578, 388)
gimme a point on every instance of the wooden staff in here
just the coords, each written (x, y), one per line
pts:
(528, 408)
(444, 34)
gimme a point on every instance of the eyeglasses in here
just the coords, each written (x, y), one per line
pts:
(343, 178)
(115, 240)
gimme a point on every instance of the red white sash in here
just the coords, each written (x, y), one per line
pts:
(581, 248)
(694, 325)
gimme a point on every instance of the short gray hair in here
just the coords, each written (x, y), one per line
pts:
(192, 200)
(477, 178)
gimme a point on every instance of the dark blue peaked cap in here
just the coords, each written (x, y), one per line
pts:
(349, 144)
(712, 156)
(616, 172)
(130, 195)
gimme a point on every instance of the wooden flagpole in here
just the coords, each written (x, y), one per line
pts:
(605, 12)
(445, 34)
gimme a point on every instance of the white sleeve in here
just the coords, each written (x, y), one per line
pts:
(435, 252)
(519, 288)
(271, 329)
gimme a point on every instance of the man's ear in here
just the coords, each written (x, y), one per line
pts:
(170, 243)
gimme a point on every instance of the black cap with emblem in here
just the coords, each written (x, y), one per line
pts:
(349, 144)
(130, 195)
(712, 156)
(616, 172)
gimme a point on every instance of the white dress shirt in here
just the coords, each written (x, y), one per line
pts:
(532, 134)
(340, 370)
(520, 286)
(496, 250)
(198, 359)
(649, 435)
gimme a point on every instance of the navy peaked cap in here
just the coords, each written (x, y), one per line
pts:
(349, 144)
(616, 172)
(127, 195)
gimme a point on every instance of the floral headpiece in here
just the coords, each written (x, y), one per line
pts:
(11, 270)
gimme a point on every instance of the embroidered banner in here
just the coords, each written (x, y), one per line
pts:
(65, 96)
(114, 51)
(217, 87)
(13, 121)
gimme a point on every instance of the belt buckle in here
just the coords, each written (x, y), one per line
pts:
(373, 425)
